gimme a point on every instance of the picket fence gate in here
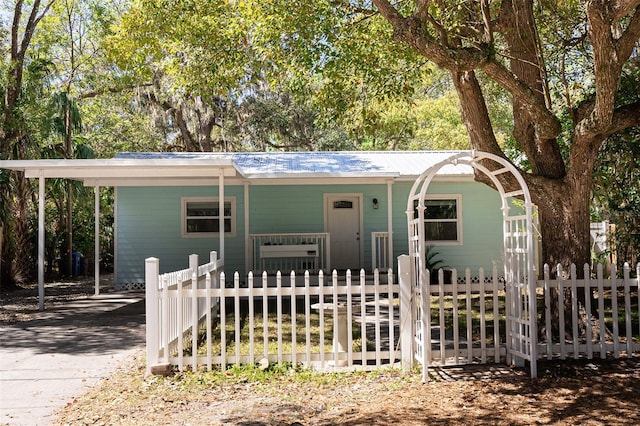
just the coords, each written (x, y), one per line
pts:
(170, 318)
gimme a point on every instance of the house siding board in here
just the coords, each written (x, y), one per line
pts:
(149, 224)
(481, 221)
(285, 209)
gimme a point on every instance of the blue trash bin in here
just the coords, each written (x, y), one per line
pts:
(75, 263)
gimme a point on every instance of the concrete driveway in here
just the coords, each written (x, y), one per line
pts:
(47, 362)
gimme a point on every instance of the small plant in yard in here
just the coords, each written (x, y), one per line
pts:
(434, 264)
(432, 261)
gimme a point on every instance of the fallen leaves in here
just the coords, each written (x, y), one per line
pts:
(572, 394)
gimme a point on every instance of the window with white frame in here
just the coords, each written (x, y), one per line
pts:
(201, 217)
(443, 219)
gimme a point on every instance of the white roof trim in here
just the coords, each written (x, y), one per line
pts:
(107, 169)
(349, 175)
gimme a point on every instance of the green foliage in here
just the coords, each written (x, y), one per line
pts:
(117, 122)
(441, 125)
(156, 75)
(335, 64)
(4, 201)
(432, 263)
(275, 122)
(616, 192)
(61, 102)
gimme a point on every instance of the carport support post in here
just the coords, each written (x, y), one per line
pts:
(96, 255)
(406, 312)
(390, 224)
(151, 275)
(41, 241)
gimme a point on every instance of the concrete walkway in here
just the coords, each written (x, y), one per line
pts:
(47, 362)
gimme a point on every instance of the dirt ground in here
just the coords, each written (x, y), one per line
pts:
(568, 392)
(602, 393)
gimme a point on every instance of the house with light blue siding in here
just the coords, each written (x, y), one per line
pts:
(281, 211)
(301, 211)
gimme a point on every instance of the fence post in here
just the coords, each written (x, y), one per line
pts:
(152, 272)
(406, 311)
(195, 314)
(193, 264)
(213, 256)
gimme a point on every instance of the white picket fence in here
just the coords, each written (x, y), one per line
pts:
(617, 313)
(465, 320)
(171, 310)
(342, 322)
(369, 321)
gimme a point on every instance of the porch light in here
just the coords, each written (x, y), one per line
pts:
(375, 203)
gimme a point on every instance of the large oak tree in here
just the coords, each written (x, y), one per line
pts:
(560, 63)
(561, 116)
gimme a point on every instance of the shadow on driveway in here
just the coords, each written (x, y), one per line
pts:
(49, 360)
(98, 324)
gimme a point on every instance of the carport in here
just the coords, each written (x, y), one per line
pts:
(116, 172)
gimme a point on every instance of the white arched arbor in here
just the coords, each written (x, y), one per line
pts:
(519, 270)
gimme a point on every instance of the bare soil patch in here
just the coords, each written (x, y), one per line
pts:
(570, 392)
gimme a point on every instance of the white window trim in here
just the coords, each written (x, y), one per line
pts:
(458, 198)
(183, 217)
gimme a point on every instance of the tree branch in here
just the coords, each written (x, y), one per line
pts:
(411, 31)
(474, 113)
(15, 27)
(32, 22)
(486, 18)
(547, 125)
(629, 39)
(624, 118)
(178, 117)
(623, 7)
(606, 64)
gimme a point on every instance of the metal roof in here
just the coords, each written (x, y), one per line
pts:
(160, 168)
(324, 163)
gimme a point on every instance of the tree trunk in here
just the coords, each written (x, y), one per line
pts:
(564, 222)
(1, 252)
(69, 153)
(22, 262)
(564, 226)
(69, 226)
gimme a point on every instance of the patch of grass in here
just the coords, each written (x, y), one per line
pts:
(474, 308)
(274, 375)
(246, 342)
(621, 314)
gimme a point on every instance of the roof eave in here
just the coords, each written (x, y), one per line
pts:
(337, 175)
(123, 168)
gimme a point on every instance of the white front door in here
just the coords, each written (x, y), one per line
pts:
(343, 222)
